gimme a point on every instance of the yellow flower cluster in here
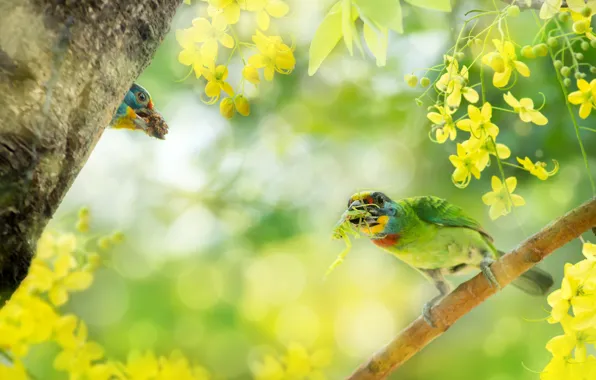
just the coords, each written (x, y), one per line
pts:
(201, 49)
(32, 316)
(448, 117)
(473, 154)
(297, 363)
(574, 307)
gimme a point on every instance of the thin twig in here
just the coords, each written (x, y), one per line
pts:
(475, 291)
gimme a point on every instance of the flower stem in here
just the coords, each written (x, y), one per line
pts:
(573, 119)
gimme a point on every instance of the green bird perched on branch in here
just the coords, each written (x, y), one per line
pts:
(435, 237)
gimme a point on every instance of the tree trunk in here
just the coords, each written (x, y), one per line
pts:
(65, 65)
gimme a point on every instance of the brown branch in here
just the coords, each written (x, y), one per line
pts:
(65, 66)
(473, 292)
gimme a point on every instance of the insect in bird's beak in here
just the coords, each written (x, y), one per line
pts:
(372, 214)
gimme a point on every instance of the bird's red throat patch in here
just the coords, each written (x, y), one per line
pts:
(387, 241)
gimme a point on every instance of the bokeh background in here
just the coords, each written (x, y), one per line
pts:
(228, 223)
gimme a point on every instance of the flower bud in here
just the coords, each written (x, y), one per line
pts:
(558, 64)
(564, 16)
(226, 108)
(513, 11)
(527, 52)
(581, 26)
(411, 80)
(567, 82)
(585, 45)
(552, 42)
(424, 82)
(565, 71)
(242, 105)
(540, 50)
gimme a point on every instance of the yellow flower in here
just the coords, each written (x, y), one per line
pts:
(572, 341)
(479, 124)
(504, 62)
(77, 353)
(14, 371)
(538, 169)
(142, 366)
(453, 82)
(273, 55)
(442, 124)
(242, 105)
(484, 148)
(190, 55)
(589, 251)
(466, 166)
(210, 35)
(501, 199)
(251, 74)
(216, 83)
(224, 12)
(266, 8)
(226, 108)
(269, 369)
(301, 364)
(525, 108)
(586, 95)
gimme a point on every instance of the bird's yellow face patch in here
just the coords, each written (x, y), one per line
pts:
(377, 229)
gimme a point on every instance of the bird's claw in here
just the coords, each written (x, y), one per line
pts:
(488, 273)
(426, 314)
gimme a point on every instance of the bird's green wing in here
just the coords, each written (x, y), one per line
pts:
(439, 211)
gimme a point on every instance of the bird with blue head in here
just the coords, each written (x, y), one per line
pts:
(137, 112)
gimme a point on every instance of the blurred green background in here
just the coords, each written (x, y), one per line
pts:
(228, 223)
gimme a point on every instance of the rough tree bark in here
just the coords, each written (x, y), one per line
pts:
(65, 65)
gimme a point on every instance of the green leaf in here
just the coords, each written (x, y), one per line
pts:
(346, 23)
(385, 13)
(376, 40)
(437, 5)
(326, 38)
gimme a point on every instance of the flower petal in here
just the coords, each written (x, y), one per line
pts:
(522, 68)
(511, 183)
(510, 99)
(496, 184)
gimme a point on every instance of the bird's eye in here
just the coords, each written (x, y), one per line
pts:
(142, 97)
(378, 199)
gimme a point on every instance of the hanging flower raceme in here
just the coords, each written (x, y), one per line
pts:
(454, 84)
(443, 124)
(585, 96)
(525, 108)
(504, 62)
